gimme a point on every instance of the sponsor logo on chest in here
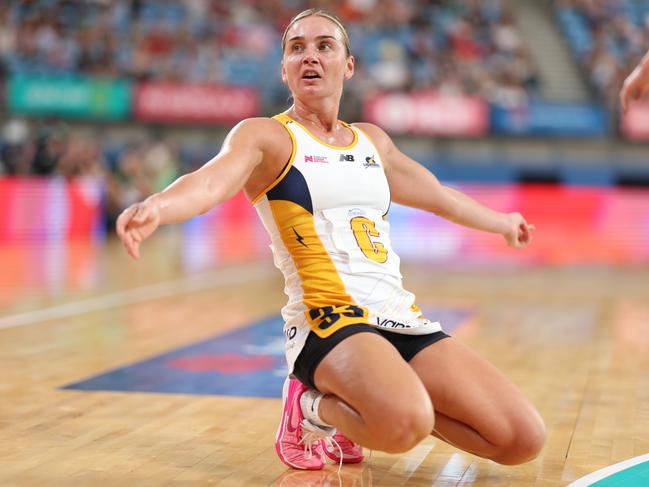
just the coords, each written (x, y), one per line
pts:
(370, 162)
(320, 159)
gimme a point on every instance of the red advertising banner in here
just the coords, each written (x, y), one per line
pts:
(194, 103)
(634, 123)
(574, 225)
(428, 113)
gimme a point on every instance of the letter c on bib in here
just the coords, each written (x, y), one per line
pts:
(364, 229)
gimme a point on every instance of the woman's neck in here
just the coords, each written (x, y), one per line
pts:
(323, 117)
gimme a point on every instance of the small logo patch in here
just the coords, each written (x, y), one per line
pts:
(299, 237)
(370, 162)
(321, 159)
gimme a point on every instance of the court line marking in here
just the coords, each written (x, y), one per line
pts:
(605, 472)
(185, 285)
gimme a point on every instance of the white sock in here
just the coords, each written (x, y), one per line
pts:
(310, 402)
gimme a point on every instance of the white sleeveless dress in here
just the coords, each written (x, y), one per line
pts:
(326, 215)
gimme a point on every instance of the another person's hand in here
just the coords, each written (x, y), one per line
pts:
(636, 85)
(520, 232)
(136, 223)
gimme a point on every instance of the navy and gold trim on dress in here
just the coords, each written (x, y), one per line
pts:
(283, 119)
(292, 187)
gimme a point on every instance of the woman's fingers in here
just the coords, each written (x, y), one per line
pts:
(123, 220)
(127, 228)
(524, 234)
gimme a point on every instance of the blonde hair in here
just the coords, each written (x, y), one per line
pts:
(316, 12)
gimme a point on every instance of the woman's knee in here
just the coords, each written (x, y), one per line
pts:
(524, 443)
(401, 427)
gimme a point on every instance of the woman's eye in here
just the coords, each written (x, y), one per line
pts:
(324, 46)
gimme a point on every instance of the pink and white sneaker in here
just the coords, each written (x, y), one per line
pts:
(299, 442)
(339, 443)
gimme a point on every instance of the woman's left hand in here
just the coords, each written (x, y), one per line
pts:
(636, 85)
(519, 233)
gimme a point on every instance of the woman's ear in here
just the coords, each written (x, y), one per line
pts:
(349, 69)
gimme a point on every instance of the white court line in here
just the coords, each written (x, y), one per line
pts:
(185, 285)
(598, 475)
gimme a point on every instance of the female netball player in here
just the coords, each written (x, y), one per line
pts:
(363, 361)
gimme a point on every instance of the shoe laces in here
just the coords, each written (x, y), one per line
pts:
(313, 434)
(331, 442)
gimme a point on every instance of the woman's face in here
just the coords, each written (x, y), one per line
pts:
(315, 61)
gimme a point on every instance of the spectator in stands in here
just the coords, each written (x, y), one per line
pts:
(607, 37)
(49, 147)
(81, 157)
(159, 165)
(16, 150)
(128, 183)
(142, 169)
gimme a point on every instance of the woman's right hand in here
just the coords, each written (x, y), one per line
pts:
(136, 223)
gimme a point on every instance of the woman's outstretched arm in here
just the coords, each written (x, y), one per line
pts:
(411, 184)
(197, 192)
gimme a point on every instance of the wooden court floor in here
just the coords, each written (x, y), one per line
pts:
(575, 339)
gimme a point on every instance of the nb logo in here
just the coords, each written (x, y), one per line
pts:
(347, 157)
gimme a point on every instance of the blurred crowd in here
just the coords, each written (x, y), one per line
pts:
(607, 37)
(130, 171)
(458, 46)
(466, 46)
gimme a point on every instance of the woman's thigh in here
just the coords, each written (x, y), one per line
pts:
(465, 387)
(372, 395)
(367, 372)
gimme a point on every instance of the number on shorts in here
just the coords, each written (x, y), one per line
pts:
(324, 318)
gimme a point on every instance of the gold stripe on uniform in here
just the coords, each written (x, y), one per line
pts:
(329, 306)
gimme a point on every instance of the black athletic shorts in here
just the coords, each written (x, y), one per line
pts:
(316, 348)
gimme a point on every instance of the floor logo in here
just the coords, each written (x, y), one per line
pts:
(248, 361)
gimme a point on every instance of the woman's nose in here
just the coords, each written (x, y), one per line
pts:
(310, 56)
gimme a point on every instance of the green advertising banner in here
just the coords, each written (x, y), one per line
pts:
(99, 98)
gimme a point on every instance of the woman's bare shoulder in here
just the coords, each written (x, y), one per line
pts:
(259, 125)
(377, 135)
(265, 130)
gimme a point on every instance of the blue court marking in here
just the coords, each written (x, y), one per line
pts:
(246, 362)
